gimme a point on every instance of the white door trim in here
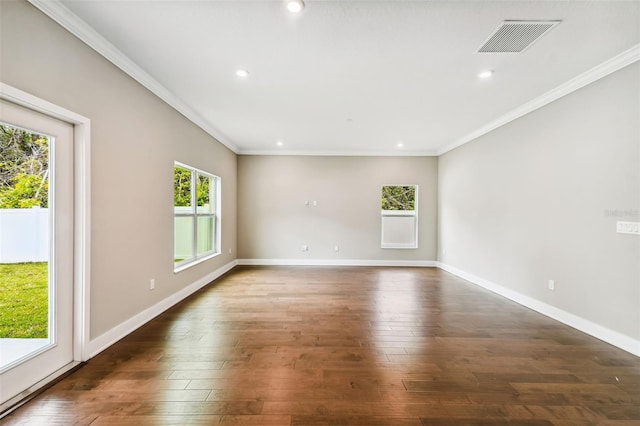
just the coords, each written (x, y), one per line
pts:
(82, 209)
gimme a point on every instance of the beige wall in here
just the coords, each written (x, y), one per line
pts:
(537, 200)
(529, 202)
(136, 137)
(273, 221)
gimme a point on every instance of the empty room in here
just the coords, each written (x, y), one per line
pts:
(347, 212)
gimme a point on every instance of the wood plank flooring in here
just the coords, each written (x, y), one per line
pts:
(347, 346)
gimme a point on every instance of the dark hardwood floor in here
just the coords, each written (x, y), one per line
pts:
(357, 346)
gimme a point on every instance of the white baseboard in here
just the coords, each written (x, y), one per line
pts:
(603, 333)
(107, 339)
(337, 262)
(612, 337)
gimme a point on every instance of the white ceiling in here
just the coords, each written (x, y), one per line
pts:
(351, 77)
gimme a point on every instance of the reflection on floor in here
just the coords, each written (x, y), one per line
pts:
(346, 346)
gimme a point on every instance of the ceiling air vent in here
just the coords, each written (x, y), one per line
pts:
(516, 36)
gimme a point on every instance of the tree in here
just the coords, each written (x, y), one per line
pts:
(203, 189)
(182, 187)
(24, 169)
(398, 198)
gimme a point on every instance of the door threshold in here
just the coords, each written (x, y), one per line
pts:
(27, 395)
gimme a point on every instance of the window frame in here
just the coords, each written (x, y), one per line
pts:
(400, 214)
(194, 214)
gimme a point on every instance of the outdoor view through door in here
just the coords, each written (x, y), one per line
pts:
(24, 242)
(36, 248)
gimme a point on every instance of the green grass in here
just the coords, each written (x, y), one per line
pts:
(23, 300)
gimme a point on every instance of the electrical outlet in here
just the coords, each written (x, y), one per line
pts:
(229, 250)
(152, 283)
(552, 285)
(305, 248)
(336, 248)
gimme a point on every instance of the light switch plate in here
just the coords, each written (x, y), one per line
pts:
(628, 228)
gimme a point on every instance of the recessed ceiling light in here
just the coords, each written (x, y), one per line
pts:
(242, 73)
(295, 6)
(485, 74)
(400, 144)
(280, 143)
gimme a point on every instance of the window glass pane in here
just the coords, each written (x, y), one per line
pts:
(25, 240)
(398, 198)
(399, 231)
(204, 193)
(205, 234)
(181, 189)
(399, 216)
(183, 238)
(195, 215)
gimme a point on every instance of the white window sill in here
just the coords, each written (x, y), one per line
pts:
(194, 262)
(405, 213)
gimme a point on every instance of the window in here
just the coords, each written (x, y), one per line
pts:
(399, 210)
(196, 210)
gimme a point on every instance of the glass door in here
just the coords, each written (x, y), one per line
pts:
(36, 248)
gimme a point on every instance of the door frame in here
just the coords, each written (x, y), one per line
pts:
(82, 209)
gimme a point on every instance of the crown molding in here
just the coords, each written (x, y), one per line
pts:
(395, 153)
(610, 66)
(68, 20)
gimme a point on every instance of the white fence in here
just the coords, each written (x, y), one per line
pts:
(24, 235)
(183, 231)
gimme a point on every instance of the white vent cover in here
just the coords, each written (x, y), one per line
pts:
(516, 36)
